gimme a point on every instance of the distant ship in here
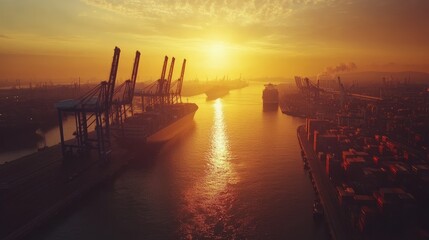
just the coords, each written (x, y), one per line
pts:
(216, 92)
(270, 97)
(237, 84)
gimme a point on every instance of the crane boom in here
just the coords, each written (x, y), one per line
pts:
(112, 77)
(170, 76)
(162, 79)
(182, 75)
(134, 73)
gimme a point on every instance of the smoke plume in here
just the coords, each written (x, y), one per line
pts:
(342, 67)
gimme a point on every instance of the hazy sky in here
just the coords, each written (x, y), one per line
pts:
(71, 38)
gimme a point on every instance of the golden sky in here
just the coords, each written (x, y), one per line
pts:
(256, 38)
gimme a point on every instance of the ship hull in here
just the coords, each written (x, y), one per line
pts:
(172, 130)
(270, 106)
(155, 129)
(216, 92)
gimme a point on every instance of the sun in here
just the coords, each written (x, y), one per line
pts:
(217, 54)
(217, 50)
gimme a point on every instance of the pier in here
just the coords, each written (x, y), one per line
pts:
(333, 215)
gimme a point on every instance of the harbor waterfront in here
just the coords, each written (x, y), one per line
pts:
(214, 120)
(333, 216)
(237, 173)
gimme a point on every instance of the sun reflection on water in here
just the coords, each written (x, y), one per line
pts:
(219, 154)
(208, 203)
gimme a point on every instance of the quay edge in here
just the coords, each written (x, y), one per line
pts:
(334, 218)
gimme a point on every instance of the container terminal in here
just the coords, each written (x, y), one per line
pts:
(368, 159)
(35, 188)
(367, 154)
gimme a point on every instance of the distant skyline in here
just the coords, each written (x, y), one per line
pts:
(266, 38)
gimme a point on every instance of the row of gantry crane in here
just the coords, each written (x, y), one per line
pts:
(105, 106)
(312, 90)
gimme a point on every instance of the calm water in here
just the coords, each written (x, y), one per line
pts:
(236, 174)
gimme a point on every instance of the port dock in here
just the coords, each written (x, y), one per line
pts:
(33, 189)
(333, 215)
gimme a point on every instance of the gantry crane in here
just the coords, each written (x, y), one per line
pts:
(163, 90)
(124, 94)
(91, 112)
(168, 84)
(178, 93)
(160, 98)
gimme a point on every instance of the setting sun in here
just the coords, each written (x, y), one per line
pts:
(72, 39)
(217, 54)
(217, 50)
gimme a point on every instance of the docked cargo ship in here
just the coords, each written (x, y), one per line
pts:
(157, 126)
(216, 92)
(163, 114)
(270, 97)
(111, 111)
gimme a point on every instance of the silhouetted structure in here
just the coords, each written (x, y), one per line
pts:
(91, 111)
(124, 94)
(270, 97)
(163, 114)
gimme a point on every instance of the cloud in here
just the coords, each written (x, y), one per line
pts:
(4, 36)
(245, 23)
(235, 11)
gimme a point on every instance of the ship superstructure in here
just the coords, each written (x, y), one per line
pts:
(270, 96)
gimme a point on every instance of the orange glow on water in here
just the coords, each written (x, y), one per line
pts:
(219, 149)
(210, 199)
(220, 171)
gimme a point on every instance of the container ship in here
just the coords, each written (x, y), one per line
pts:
(216, 92)
(156, 126)
(135, 119)
(163, 115)
(270, 97)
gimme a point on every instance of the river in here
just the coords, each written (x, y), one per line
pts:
(236, 174)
